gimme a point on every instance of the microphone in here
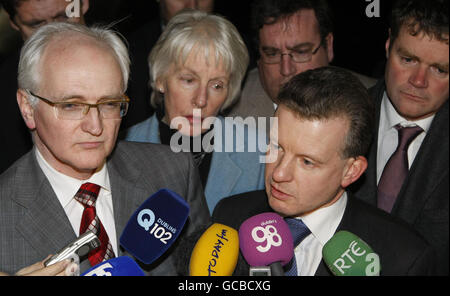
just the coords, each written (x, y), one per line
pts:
(155, 225)
(216, 252)
(120, 266)
(346, 254)
(265, 240)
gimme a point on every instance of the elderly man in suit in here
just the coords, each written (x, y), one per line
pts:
(412, 113)
(292, 36)
(325, 121)
(72, 81)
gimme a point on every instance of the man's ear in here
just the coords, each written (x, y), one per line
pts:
(388, 45)
(26, 109)
(84, 6)
(354, 169)
(330, 49)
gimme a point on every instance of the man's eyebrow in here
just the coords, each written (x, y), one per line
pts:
(295, 47)
(405, 52)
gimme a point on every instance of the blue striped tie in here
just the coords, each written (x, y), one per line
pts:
(299, 231)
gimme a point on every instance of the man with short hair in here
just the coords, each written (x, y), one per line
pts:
(325, 123)
(408, 174)
(25, 16)
(72, 81)
(292, 36)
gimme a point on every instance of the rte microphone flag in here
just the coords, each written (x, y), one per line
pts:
(119, 266)
(346, 254)
(265, 240)
(216, 252)
(155, 225)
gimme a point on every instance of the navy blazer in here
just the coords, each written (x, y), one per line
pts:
(401, 250)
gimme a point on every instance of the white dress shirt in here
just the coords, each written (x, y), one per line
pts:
(66, 187)
(323, 224)
(388, 135)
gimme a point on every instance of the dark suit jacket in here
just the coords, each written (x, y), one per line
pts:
(423, 199)
(401, 250)
(33, 223)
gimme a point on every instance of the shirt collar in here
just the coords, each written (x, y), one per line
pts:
(390, 118)
(324, 222)
(64, 186)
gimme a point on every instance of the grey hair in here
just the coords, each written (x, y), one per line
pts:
(195, 29)
(34, 47)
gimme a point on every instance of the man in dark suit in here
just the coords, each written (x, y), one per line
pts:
(324, 129)
(414, 94)
(72, 81)
(291, 36)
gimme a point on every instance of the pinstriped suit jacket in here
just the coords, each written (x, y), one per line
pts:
(33, 223)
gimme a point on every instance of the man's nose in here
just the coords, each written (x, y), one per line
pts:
(92, 122)
(287, 66)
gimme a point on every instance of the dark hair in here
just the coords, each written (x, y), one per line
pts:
(265, 12)
(427, 16)
(10, 7)
(331, 92)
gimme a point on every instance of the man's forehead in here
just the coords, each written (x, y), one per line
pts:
(40, 9)
(302, 20)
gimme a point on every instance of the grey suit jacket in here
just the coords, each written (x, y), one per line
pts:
(33, 223)
(423, 199)
(255, 102)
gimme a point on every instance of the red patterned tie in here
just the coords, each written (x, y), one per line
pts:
(87, 196)
(396, 168)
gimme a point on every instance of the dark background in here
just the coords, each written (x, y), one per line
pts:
(359, 40)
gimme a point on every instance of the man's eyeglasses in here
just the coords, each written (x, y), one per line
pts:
(73, 110)
(298, 56)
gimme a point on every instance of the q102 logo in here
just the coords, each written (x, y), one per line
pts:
(146, 219)
(269, 235)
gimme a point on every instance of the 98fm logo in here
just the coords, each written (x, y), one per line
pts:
(269, 235)
(163, 232)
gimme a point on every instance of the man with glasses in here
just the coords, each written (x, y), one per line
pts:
(292, 36)
(26, 16)
(72, 81)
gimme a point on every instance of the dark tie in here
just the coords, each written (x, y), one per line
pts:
(396, 168)
(87, 196)
(299, 231)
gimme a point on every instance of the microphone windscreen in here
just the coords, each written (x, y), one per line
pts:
(265, 239)
(347, 254)
(155, 225)
(120, 266)
(216, 252)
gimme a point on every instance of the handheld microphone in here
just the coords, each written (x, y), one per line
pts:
(347, 255)
(216, 252)
(155, 225)
(265, 240)
(120, 266)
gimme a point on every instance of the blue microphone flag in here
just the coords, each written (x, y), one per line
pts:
(120, 266)
(155, 225)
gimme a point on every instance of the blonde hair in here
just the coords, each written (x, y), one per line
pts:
(191, 29)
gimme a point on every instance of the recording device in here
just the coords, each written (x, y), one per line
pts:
(266, 244)
(346, 254)
(119, 266)
(216, 252)
(76, 249)
(155, 225)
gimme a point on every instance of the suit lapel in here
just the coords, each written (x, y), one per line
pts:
(366, 188)
(127, 195)
(45, 225)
